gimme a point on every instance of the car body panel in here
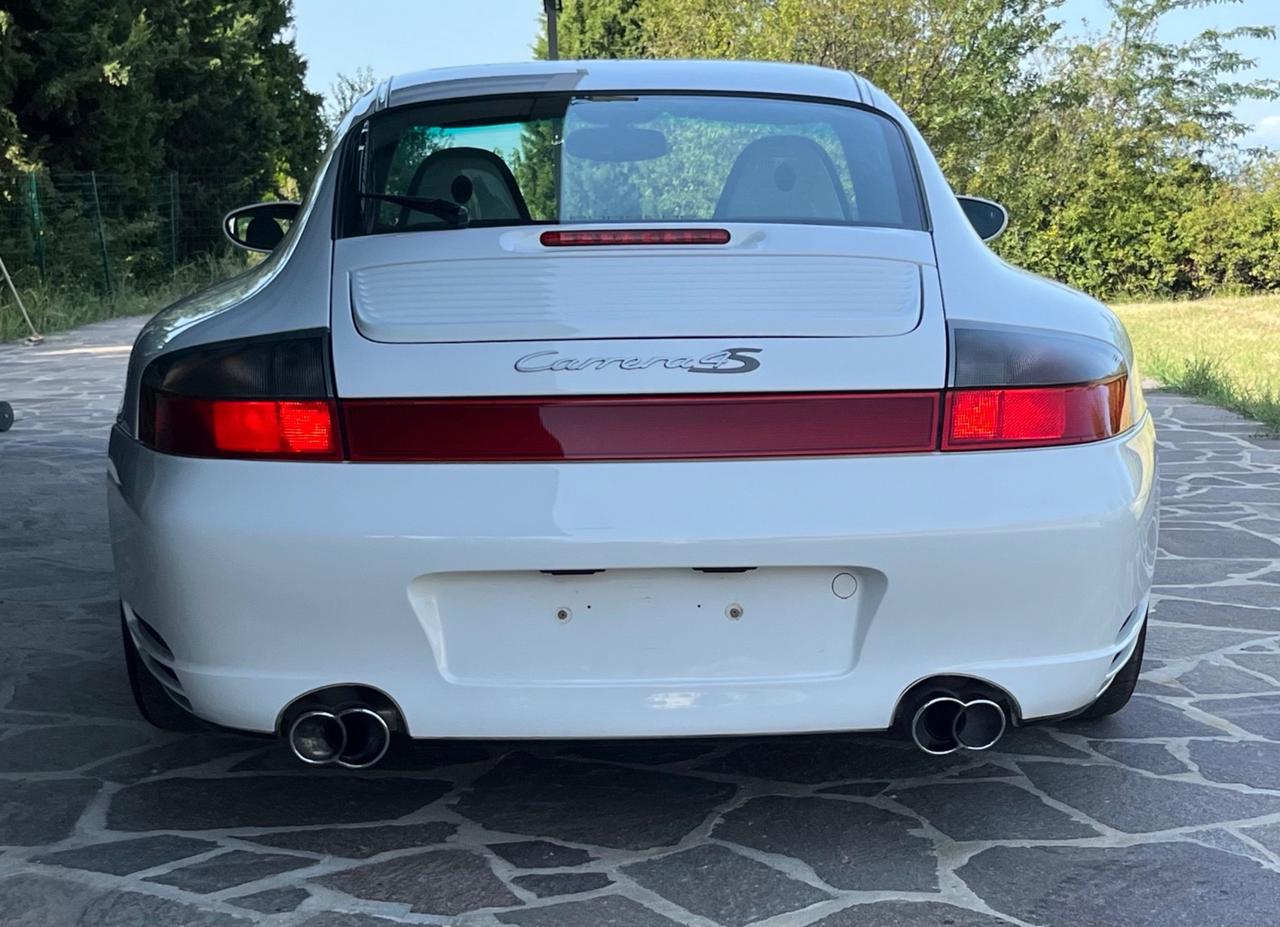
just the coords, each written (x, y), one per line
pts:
(750, 77)
(272, 580)
(494, 363)
(1029, 569)
(502, 285)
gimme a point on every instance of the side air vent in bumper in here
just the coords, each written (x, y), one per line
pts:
(156, 655)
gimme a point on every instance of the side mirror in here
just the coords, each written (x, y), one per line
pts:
(259, 227)
(989, 219)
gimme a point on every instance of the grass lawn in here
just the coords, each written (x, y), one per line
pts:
(1225, 350)
(55, 308)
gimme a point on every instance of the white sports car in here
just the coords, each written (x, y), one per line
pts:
(627, 399)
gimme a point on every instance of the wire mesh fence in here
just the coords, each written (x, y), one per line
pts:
(101, 231)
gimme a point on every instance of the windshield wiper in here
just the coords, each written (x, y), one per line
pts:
(442, 209)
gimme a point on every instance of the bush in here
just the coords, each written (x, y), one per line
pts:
(1231, 235)
(56, 306)
(1207, 378)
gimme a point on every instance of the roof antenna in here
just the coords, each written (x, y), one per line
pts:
(552, 7)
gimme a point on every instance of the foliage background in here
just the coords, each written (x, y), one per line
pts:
(129, 127)
(1117, 153)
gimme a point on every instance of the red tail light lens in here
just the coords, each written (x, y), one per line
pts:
(261, 428)
(264, 398)
(983, 419)
(582, 237)
(1028, 387)
(273, 427)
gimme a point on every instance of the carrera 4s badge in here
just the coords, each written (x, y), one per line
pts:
(730, 360)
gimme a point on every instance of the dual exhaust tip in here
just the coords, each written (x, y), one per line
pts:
(354, 738)
(946, 724)
(358, 737)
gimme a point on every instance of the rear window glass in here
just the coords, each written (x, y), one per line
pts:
(629, 159)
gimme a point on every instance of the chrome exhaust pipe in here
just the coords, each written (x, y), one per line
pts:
(946, 724)
(366, 738)
(317, 737)
(933, 726)
(979, 725)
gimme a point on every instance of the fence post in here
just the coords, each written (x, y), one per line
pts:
(37, 221)
(102, 235)
(173, 221)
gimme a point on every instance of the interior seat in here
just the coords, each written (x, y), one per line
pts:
(783, 177)
(472, 177)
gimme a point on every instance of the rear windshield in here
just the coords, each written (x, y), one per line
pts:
(629, 158)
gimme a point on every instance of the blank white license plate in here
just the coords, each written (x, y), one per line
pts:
(646, 625)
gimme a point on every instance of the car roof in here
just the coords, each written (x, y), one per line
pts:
(605, 75)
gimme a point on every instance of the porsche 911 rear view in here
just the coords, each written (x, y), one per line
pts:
(616, 399)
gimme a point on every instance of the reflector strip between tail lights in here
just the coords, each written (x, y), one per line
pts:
(672, 427)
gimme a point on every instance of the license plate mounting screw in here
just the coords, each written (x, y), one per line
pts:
(734, 611)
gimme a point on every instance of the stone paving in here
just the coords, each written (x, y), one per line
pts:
(1167, 814)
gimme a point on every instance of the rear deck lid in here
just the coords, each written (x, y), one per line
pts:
(514, 289)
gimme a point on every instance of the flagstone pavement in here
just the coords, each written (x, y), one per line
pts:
(1167, 814)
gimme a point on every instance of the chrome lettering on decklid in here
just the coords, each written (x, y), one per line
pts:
(729, 360)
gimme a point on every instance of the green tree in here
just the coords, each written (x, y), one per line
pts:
(536, 166)
(1127, 133)
(1107, 151)
(957, 66)
(10, 136)
(135, 88)
(1231, 232)
(233, 89)
(343, 93)
(79, 87)
(599, 29)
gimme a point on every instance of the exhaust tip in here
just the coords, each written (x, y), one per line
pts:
(317, 737)
(979, 725)
(933, 726)
(367, 738)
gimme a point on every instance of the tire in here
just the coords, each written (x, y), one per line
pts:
(153, 702)
(1117, 694)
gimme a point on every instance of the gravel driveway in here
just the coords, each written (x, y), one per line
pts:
(1168, 814)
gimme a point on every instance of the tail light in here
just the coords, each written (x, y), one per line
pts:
(1030, 388)
(265, 398)
(271, 398)
(1034, 416)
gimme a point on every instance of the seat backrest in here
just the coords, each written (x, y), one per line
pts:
(472, 177)
(783, 177)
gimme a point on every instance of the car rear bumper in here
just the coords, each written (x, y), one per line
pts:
(269, 580)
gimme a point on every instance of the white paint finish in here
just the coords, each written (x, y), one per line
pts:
(627, 626)
(913, 360)
(272, 579)
(635, 292)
